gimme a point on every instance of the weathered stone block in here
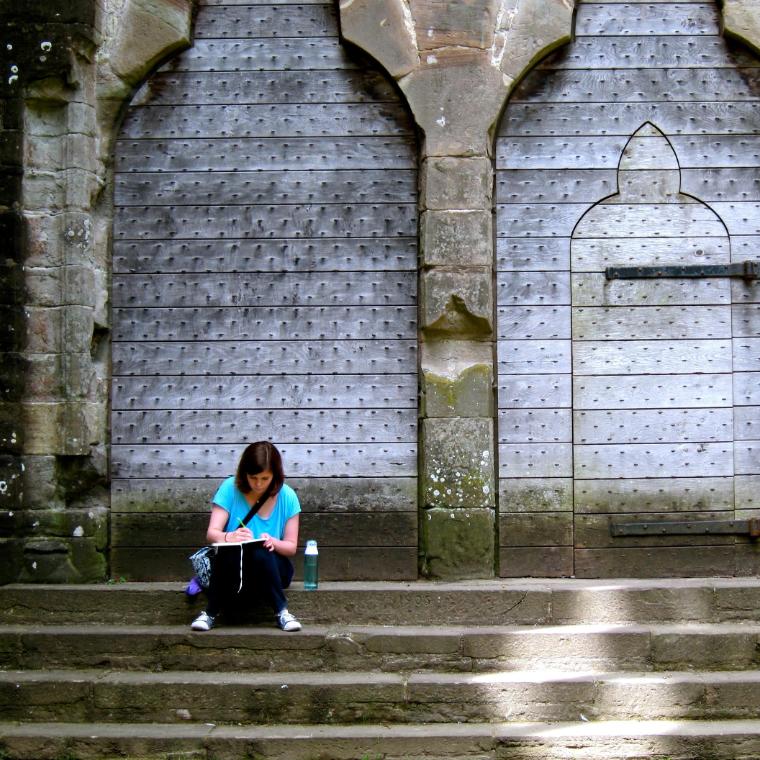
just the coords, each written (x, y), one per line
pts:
(44, 379)
(456, 183)
(11, 481)
(43, 330)
(78, 326)
(149, 31)
(742, 21)
(57, 523)
(45, 286)
(62, 561)
(457, 301)
(536, 494)
(43, 427)
(468, 394)
(451, 238)
(383, 29)
(40, 483)
(42, 248)
(535, 28)
(457, 544)
(452, 125)
(458, 469)
(441, 23)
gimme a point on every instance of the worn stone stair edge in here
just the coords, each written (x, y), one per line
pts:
(532, 601)
(536, 730)
(350, 679)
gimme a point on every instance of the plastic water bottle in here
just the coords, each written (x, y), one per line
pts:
(311, 566)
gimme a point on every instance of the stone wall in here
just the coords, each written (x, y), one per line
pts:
(68, 68)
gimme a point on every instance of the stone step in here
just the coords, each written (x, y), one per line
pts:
(603, 740)
(361, 697)
(495, 602)
(605, 646)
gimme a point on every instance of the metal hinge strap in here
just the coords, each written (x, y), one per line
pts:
(746, 270)
(688, 527)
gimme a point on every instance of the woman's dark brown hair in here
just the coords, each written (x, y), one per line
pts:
(259, 457)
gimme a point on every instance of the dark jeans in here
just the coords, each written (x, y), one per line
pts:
(264, 576)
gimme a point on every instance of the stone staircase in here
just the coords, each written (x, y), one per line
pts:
(492, 669)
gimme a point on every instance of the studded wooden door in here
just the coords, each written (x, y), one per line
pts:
(626, 401)
(264, 287)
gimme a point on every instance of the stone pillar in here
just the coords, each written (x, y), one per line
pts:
(73, 66)
(456, 62)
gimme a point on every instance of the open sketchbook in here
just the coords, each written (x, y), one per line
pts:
(239, 543)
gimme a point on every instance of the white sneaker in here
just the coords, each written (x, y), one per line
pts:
(288, 622)
(203, 622)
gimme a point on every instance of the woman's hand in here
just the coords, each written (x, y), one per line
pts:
(237, 536)
(268, 541)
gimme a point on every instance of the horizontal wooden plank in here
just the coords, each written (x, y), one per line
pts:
(746, 388)
(747, 423)
(532, 254)
(649, 52)
(284, 2)
(268, 392)
(554, 185)
(655, 562)
(265, 221)
(658, 425)
(517, 288)
(746, 354)
(177, 88)
(600, 85)
(535, 392)
(269, 53)
(536, 562)
(593, 531)
(266, 289)
(653, 460)
(525, 357)
(339, 564)
(620, 219)
(594, 146)
(537, 322)
(266, 323)
(535, 460)
(745, 292)
(235, 188)
(643, 357)
(625, 19)
(329, 529)
(653, 392)
(251, 120)
(595, 255)
(613, 220)
(242, 21)
(645, 495)
(747, 492)
(264, 357)
(340, 494)
(250, 425)
(313, 255)
(563, 121)
(747, 457)
(303, 460)
(536, 494)
(593, 289)
(535, 529)
(592, 185)
(746, 320)
(273, 153)
(535, 426)
(651, 322)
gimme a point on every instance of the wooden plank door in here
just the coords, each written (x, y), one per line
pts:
(569, 345)
(264, 287)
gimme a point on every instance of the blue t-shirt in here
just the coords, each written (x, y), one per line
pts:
(231, 499)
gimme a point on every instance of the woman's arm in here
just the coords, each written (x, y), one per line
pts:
(288, 545)
(217, 523)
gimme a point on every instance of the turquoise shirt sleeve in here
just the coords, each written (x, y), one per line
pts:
(225, 495)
